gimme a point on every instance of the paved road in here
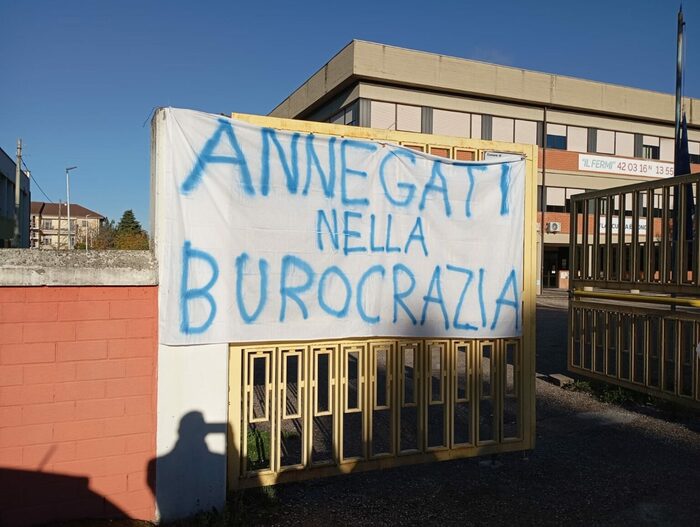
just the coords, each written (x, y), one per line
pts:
(594, 464)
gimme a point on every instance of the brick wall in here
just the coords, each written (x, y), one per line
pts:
(77, 400)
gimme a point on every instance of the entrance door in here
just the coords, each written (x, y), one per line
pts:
(551, 267)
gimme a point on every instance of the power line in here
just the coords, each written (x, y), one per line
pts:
(35, 181)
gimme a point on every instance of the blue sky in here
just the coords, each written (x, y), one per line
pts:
(80, 78)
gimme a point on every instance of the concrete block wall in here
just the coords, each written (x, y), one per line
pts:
(78, 384)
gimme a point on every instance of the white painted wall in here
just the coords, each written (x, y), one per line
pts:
(192, 384)
(191, 464)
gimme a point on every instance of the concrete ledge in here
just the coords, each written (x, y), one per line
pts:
(35, 267)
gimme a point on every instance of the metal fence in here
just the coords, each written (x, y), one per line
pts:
(634, 314)
(321, 408)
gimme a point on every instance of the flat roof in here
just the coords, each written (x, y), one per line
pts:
(369, 61)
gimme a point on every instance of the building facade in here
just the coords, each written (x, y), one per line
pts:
(49, 225)
(7, 203)
(590, 135)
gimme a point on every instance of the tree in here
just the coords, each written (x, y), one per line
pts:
(131, 241)
(129, 235)
(129, 223)
(104, 239)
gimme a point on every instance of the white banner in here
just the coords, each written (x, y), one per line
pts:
(628, 167)
(271, 235)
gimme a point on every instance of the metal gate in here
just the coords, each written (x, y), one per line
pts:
(315, 409)
(634, 311)
(310, 409)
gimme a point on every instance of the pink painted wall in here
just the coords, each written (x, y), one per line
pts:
(77, 402)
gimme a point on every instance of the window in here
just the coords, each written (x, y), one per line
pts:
(390, 116)
(649, 148)
(502, 129)
(408, 118)
(666, 149)
(383, 115)
(347, 116)
(451, 123)
(526, 132)
(694, 151)
(624, 144)
(571, 192)
(605, 142)
(557, 142)
(555, 199)
(476, 126)
(576, 139)
(556, 137)
(651, 152)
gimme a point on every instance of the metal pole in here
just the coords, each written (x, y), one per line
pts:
(679, 77)
(87, 233)
(675, 260)
(70, 242)
(58, 245)
(68, 204)
(18, 184)
(543, 200)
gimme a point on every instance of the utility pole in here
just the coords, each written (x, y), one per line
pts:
(18, 183)
(70, 244)
(58, 245)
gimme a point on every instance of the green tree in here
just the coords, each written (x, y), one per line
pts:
(129, 223)
(131, 241)
(129, 235)
(104, 239)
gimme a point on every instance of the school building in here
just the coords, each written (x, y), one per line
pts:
(590, 135)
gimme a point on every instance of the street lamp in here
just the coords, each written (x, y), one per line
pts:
(68, 169)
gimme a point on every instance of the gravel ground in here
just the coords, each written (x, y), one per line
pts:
(593, 464)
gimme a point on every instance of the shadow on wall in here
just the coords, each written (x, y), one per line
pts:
(189, 465)
(30, 497)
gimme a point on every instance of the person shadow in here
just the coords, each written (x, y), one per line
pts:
(32, 497)
(190, 478)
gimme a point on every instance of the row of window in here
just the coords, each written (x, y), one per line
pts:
(408, 118)
(56, 224)
(558, 199)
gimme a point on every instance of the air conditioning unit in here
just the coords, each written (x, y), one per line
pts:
(553, 226)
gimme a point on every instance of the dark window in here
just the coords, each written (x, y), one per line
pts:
(651, 152)
(592, 139)
(486, 127)
(695, 158)
(348, 116)
(557, 142)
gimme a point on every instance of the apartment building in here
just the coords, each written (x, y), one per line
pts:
(7, 203)
(49, 225)
(591, 135)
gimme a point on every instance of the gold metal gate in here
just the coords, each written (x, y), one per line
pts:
(634, 314)
(315, 409)
(311, 409)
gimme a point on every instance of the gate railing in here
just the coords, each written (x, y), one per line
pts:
(628, 237)
(304, 410)
(634, 314)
